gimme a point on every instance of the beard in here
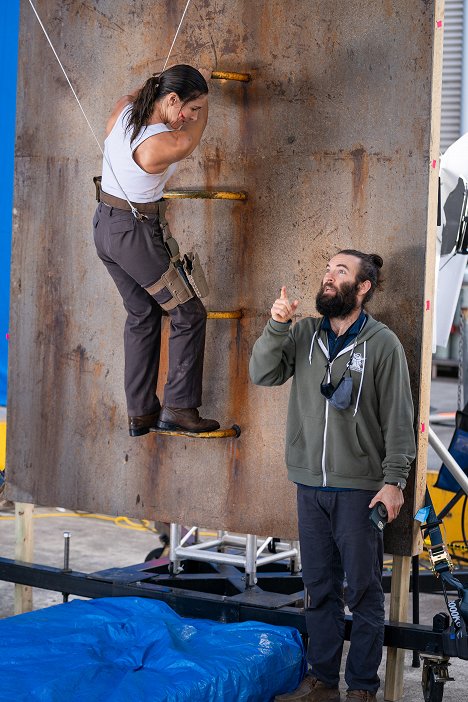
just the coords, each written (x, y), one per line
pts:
(340, 304)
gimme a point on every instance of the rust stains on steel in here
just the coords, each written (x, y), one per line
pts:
(204, 195)
(212, 164)
(238, 479)
(360, 174)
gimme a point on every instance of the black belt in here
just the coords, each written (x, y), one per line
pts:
(151, 208)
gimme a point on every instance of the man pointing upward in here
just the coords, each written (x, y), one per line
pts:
(349, 444)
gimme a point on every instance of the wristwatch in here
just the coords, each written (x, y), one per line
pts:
(397, 483)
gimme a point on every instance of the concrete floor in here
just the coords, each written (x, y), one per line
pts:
(97, 544)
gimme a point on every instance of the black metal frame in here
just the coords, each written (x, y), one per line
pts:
(214, 591)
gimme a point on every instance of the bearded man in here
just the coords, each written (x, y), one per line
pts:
(349, 445)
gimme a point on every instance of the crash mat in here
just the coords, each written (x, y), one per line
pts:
(131, 649)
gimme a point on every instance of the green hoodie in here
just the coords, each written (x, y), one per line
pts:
(364, 446)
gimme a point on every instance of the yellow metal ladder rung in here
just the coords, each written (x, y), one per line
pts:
(233, 432)
(204, 195)
(236, 314)
(231, 75)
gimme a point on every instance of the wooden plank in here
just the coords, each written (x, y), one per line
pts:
(24, 548)
(402, 564)
(430, 275)
(398, 613)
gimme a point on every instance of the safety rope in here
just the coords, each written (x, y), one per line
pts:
(67, 78)
(135, 212)
(176, 35)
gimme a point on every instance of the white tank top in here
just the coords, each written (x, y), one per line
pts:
(134, 182)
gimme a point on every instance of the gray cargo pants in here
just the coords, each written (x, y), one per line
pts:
(337, 538)
(135, 256)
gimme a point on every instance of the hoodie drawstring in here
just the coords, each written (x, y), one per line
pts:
(362, 380)
(312, 348)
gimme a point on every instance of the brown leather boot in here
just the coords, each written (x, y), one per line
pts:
(361, 696)
(174, 419)
(138, 426)
(311, 690)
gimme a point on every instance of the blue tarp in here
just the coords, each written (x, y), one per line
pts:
(459, 450)
(139, 650)
(8, 64)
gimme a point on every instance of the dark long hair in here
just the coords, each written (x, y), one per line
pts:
(369, 270)
(185, 81)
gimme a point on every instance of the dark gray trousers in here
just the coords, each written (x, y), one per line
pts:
(337, 541)
(135, 256)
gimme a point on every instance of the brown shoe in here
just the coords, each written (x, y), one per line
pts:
(138, 426)
(361, 696)
(311, 690)
(174, 419)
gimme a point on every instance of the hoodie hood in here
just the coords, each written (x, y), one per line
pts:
(369, 328)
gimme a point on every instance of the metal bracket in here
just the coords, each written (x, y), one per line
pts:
(439, 556)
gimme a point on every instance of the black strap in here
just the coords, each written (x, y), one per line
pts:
(432, 529)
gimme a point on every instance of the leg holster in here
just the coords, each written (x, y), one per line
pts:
(173, 281)
(184, 278)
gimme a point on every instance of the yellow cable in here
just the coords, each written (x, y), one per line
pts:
(123, 522)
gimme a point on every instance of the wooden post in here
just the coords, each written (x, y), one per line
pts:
(398, 613)
(24, 552)
(402, 564)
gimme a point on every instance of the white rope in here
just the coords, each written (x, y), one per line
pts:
(134, 210)
(176, 34)
(68, 80)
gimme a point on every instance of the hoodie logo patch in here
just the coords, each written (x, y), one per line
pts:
(357, 364)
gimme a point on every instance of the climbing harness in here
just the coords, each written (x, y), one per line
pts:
(184, 277)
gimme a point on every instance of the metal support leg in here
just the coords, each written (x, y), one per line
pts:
(66, 559)
(295, 561)
(176, 533)
(415, 587)
(251, 561)
(221, 535)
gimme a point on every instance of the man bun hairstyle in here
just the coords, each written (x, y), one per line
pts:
(184, 80)
(368, 270)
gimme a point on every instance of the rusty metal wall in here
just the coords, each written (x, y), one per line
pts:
(331, 140)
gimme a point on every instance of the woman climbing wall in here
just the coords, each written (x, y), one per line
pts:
(147, 134)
